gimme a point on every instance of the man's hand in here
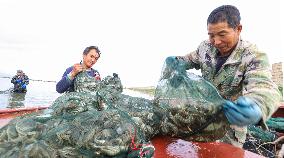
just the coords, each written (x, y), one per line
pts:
(174, 64)
(176, 80)
(23, 86)
(76, 69)
(242, 113)
(171, 62)
(18, 81)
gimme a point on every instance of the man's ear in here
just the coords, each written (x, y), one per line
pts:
(239, 28)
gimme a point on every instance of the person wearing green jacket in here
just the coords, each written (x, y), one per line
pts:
(239, 71)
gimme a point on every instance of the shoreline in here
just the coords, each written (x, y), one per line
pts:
(145, 90)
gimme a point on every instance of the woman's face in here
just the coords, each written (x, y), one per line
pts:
(91, 58)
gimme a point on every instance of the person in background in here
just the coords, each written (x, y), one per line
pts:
(20, 81)
(91, 55)
(239, 71)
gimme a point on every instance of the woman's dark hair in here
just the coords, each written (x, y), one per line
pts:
(88, 49)
(225, 13)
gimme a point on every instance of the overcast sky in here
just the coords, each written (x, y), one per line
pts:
(45, 37)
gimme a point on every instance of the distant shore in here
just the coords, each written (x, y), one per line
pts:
(145, 90)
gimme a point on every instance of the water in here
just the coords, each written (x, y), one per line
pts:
(38, 94)
(137, 94)
(168, 147)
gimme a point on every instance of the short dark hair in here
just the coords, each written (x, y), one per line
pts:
(88, 49)
(225, 13)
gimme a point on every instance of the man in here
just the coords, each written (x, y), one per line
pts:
(238, 70)
(20, 81)
(90, 57)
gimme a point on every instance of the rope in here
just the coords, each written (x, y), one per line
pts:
(139, 147)
(31, 79)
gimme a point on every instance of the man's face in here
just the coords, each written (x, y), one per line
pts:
(223, 37)
(91, 58)
(19, 73)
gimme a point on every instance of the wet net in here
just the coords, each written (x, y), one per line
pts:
(193, 105)
(97, 120)
(268, 143)
(90, 122)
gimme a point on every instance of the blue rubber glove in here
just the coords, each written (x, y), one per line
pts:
(178, 66)
(23, 86)
(18, 81)
(242, 113)
(176, 80)
(171, 62)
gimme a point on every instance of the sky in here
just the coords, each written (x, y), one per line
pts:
(43, 38)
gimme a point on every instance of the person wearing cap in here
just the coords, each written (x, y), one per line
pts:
(91, 55)
(239, 71)
(20, 81)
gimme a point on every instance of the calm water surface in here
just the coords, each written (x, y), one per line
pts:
(38, 94)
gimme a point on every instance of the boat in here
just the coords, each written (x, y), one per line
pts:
(166, 146)
(279, 112)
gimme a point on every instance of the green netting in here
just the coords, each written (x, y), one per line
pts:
(276, 123)
(84, 123)
(97, 120)
(192, 104)
(264, 142)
